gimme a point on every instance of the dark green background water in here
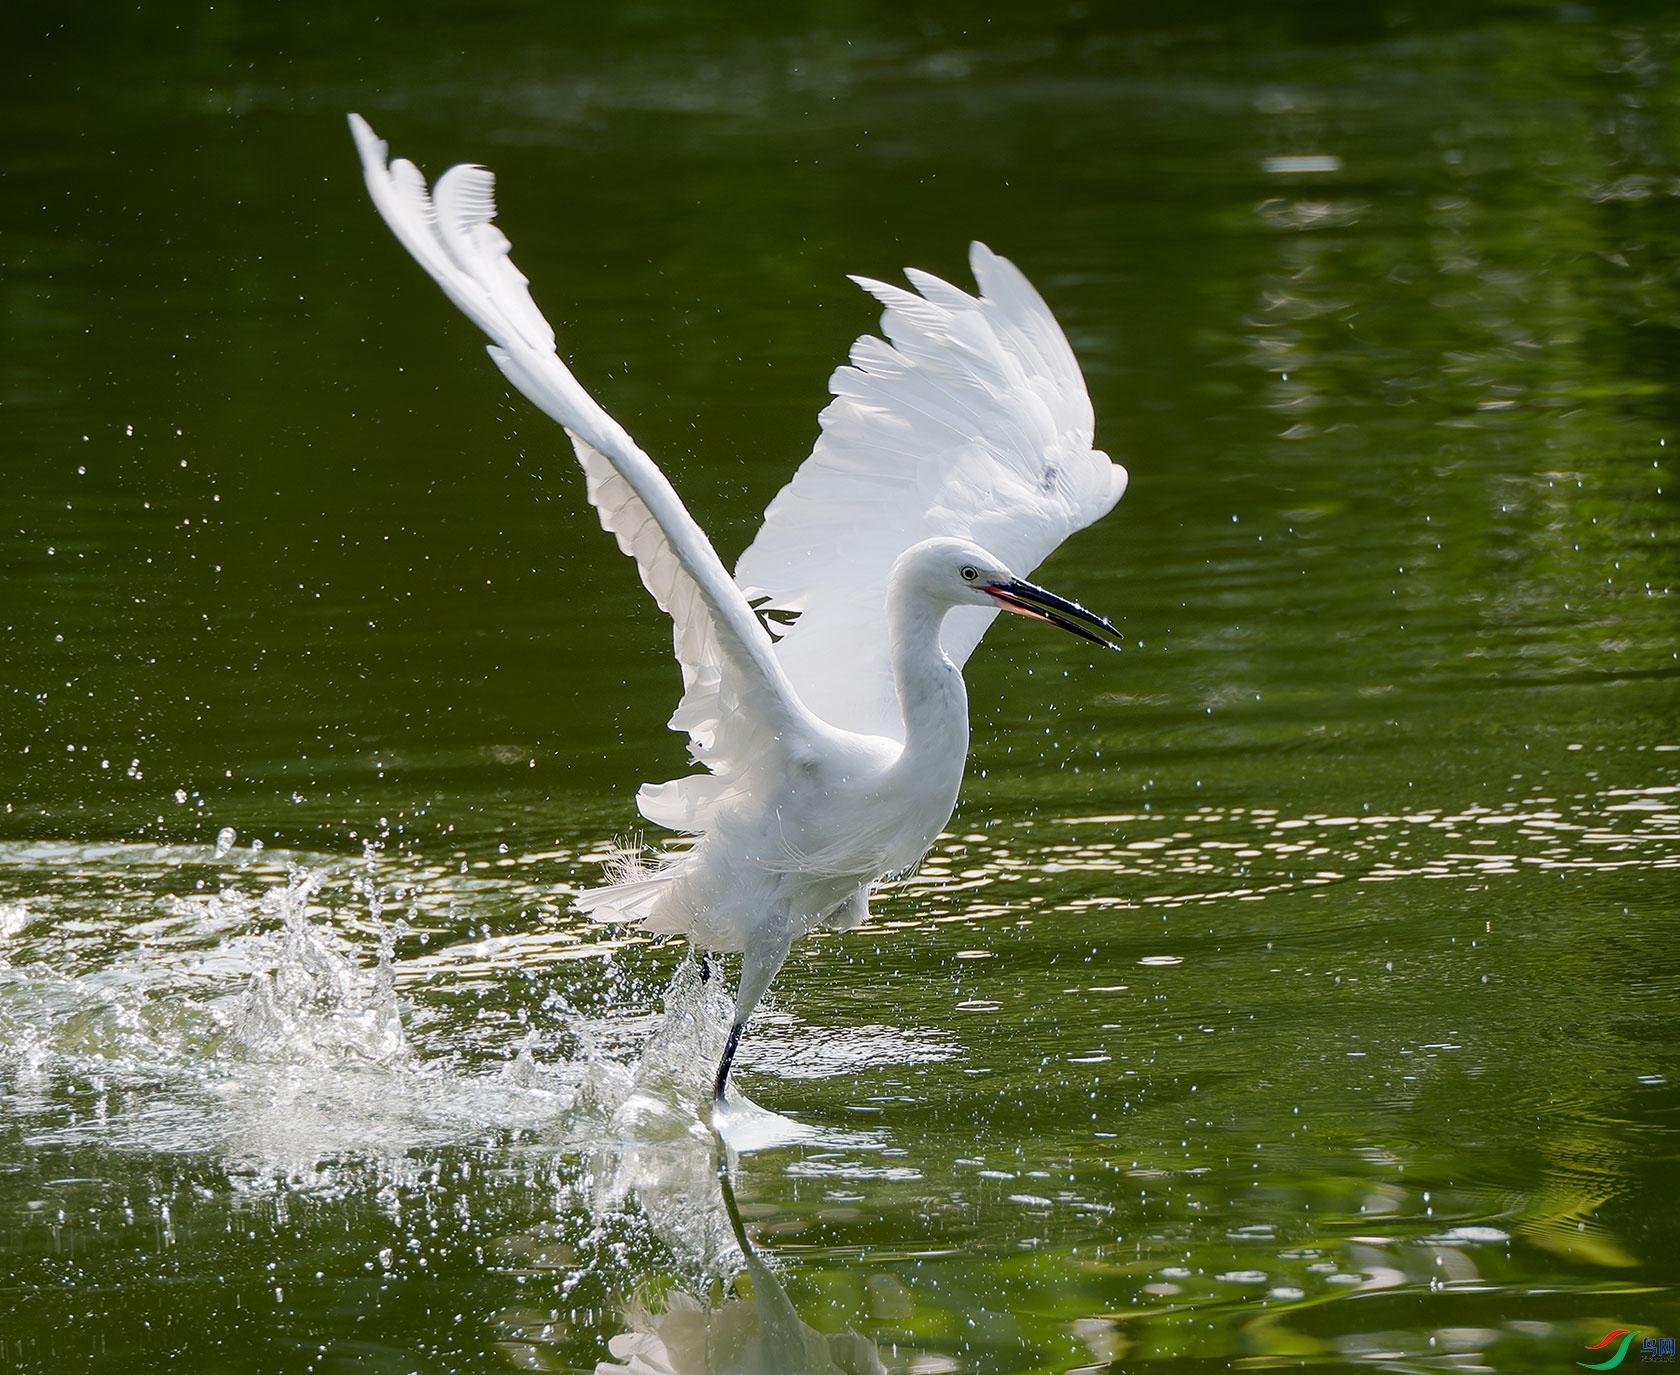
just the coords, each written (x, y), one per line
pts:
(1388, 774)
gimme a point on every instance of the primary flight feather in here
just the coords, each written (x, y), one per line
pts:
(955, 456)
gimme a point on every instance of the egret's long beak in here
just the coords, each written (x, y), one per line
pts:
(1028, 599)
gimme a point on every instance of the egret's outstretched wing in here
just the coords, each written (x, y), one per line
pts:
(738, 707)
(972, 421)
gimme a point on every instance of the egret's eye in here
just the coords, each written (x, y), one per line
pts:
(970, 574)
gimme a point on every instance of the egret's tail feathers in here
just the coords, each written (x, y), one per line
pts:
(634, 901)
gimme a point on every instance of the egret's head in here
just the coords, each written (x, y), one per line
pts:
(961, 573)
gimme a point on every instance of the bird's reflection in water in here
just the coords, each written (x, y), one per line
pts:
(677, 1169)
(661, 1153)
(760, 1335)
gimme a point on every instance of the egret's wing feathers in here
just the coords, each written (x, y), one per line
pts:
(719, 709)
(971, 419)
(738, 707)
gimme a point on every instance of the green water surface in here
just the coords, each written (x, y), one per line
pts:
(1296, 988)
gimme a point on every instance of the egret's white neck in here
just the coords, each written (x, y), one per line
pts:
(931, 696)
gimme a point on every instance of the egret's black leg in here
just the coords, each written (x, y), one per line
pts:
(705, 969)
(758, 967)
(729, 1047)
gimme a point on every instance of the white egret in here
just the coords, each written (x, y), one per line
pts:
(952, 460)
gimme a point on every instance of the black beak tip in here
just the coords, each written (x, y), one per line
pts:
(1032, 600)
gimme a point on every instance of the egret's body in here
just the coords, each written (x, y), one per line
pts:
(799, 845)
(951, 460)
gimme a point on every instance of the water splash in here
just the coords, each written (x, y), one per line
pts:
(14, 916)
(670, 1081)
(224, 1001)
(317, 1005)
(245, 1022)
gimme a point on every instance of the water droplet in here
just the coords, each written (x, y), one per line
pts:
(225, 839)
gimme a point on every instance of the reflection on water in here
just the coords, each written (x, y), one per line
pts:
(1214, 854)
(1298, 987)
(758, 1335)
